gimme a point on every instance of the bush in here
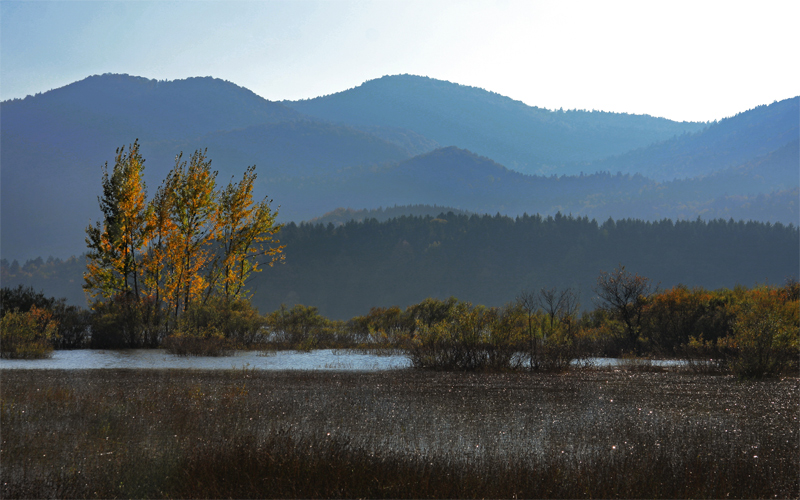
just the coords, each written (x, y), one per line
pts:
(381, 328)
(558, 351)
(73, 326)
(124, 322)
(765, 335)
(235, 320)
(468, 338)
(304, 328)
(73, 322)
(215, 328)
(22, 299)
(673, 317)
(27, 334)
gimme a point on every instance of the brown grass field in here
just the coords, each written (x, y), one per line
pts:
(406, 434)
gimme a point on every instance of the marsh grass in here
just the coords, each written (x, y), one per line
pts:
(245, 433)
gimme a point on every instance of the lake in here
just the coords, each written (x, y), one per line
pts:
(318, 360)
(323, 359)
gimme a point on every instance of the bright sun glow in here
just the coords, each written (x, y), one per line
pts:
(681, 60)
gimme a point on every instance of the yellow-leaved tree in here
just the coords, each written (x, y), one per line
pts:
(244, 231)
(193, 206)
(154, 260)
(116, 243)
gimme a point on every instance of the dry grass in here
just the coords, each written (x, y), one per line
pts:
(118, 433)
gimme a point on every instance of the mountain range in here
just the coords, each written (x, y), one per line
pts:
(395, 141)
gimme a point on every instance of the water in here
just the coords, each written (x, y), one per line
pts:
(324, 359)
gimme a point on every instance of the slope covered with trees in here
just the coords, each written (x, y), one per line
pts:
(727, 143)
(346, 270)
(53, 145)
(525, 138)
(461, 179)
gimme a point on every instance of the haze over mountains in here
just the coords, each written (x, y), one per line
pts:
(524, 138)
(398, 140)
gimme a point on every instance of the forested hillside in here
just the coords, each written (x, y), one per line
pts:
(727, 143)
(525, 138)
(399, 140)
(348, 269)
(461, 179)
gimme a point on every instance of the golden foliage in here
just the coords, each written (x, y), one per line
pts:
(188, 243)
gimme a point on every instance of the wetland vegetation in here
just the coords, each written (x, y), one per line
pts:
(247, 434)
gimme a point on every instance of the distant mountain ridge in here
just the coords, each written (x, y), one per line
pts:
(52, 146)
(54, 143)
(462, 180)
(342, 216)
(122, 105)
(726, 143)
(525, 138)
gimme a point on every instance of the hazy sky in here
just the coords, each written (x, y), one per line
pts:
(689, 60)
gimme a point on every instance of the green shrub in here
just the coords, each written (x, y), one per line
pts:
(235, 320)
(468, 338)
(381, 328)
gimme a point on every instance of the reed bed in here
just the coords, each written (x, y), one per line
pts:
(242, 433)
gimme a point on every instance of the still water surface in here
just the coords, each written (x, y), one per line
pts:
(323, 359)
(158, 359)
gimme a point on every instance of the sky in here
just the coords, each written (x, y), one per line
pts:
(684, 60)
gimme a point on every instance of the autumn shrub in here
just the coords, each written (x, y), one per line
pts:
(27, 334)
(674, 316)
(382, 327)
(559, 350)
(600, 334)
(236, 319)
(214, 328)
(469, 338)
(73, 322)
(706, 356)
(766, 334)
(763, 338)
(304, 328)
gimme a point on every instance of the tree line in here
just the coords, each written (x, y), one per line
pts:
(752, 332)
(345, 270)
